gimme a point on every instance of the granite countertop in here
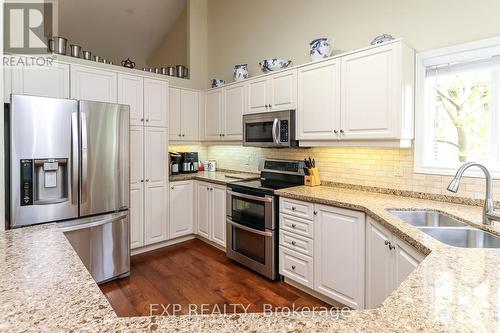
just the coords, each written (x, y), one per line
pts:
(45, 287)
(221, 177)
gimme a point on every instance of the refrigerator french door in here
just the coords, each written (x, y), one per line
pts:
(69, 163)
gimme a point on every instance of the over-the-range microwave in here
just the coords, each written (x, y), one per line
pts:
(270, 129)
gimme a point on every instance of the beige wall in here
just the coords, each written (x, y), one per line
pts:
(173, 49)
(243, 31)
(360, 166)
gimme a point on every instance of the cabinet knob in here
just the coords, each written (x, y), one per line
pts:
(142, 180)
(387, 242)
(172, 188)
(147, 180)
(294, 225)
(315, 212)
(293, 208)
(293, 243)
(180, 134)
(391, 247)
(142, 119)
(335, 131)
(293, 267)
(147, 120)
(341, 131)
(223, 134)
(183, 135)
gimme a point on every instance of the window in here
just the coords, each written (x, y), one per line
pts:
(458, 107)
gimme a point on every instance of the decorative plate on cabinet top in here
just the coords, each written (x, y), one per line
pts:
(274, 64)
(381, 39)
(218, 83)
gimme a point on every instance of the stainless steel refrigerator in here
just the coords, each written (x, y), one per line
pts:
(69, 163)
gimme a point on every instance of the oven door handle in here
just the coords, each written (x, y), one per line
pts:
(252, 230)
(251, 197)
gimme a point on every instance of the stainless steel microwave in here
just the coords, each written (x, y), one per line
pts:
(270, 129)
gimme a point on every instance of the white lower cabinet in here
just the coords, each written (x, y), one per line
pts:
(181, 209)
(389, 261)
(210, 202)
(341, 254)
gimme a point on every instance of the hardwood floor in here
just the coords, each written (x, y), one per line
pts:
(196, 278)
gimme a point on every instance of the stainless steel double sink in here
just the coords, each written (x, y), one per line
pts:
(447, 229)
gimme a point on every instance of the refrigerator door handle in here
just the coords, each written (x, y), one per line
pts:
(84, 192)
(104, 220)
(74, 158)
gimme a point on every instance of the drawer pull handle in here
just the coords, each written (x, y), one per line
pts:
(293, 225)
(293, 243)
(293, 208)
(293, 267)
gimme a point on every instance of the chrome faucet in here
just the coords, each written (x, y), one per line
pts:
(489, 213)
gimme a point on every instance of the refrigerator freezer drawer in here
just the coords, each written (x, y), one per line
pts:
(102, 243)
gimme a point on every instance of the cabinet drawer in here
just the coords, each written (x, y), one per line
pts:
(297, 208)
(296, 243)
(296, 266)
(296, 225)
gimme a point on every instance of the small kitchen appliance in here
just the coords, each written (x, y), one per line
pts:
(189, 162)
(270, 129)
(175, 163)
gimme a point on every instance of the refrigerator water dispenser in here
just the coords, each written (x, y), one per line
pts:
(50, 181)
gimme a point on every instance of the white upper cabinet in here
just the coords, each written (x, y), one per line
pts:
(181, 209)
(93, 84)
(377, 93)
(318, 112)
(339, 255)
(136, 154)
(155, 102)
(212, 115)
(155, 155)
(283, 87)
(47, 81)
(131, 92)
(258, 95)
(235, 103)
(183, 114)
(273, 92)
(189, 115)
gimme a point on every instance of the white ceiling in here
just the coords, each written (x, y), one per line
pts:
(117, 29)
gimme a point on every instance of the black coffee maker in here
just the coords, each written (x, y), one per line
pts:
(175, 163)
(189, 162)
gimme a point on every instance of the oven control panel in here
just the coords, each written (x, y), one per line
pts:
(284, 131)
(286, 166)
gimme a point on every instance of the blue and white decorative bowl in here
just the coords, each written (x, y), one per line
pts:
(218, 83)
(321, 48)
(274, 64)
(240, 72)
(381, 39)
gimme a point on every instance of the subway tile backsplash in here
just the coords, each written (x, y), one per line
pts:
(378, 167)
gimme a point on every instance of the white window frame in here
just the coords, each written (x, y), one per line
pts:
(458, 53)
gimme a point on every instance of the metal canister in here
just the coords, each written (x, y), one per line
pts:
(87, 55)
(50, 45)
(59, 46)
(164, 71)
(75, 50)
(182, 71)
(171, 71)
(97, 58)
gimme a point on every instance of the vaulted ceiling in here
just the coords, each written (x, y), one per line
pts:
(117, 29)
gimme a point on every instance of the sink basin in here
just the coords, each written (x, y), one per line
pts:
(447, 229)
(463, 237)
(427, 218)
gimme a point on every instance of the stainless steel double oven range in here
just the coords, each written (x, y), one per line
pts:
(252, 215)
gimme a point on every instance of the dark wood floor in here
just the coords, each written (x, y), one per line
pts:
(194, 277)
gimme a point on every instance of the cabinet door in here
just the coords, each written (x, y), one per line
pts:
(136, 216)
(136, 155)
(93, 84)
(258, 95)
(405, 261)
(318, 111)
(339, 255)
(371, 104)
(212, 115)
(379, 267)
(47, 81)
(189, 115)
(156, 214)
(234, 107)
(155, 156)
(181, 209)
(218, 194)
(131, 92)
(174, 114)
(284, 91)
(155, 102)
(203, 209)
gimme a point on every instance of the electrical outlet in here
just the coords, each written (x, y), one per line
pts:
(398, 171)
